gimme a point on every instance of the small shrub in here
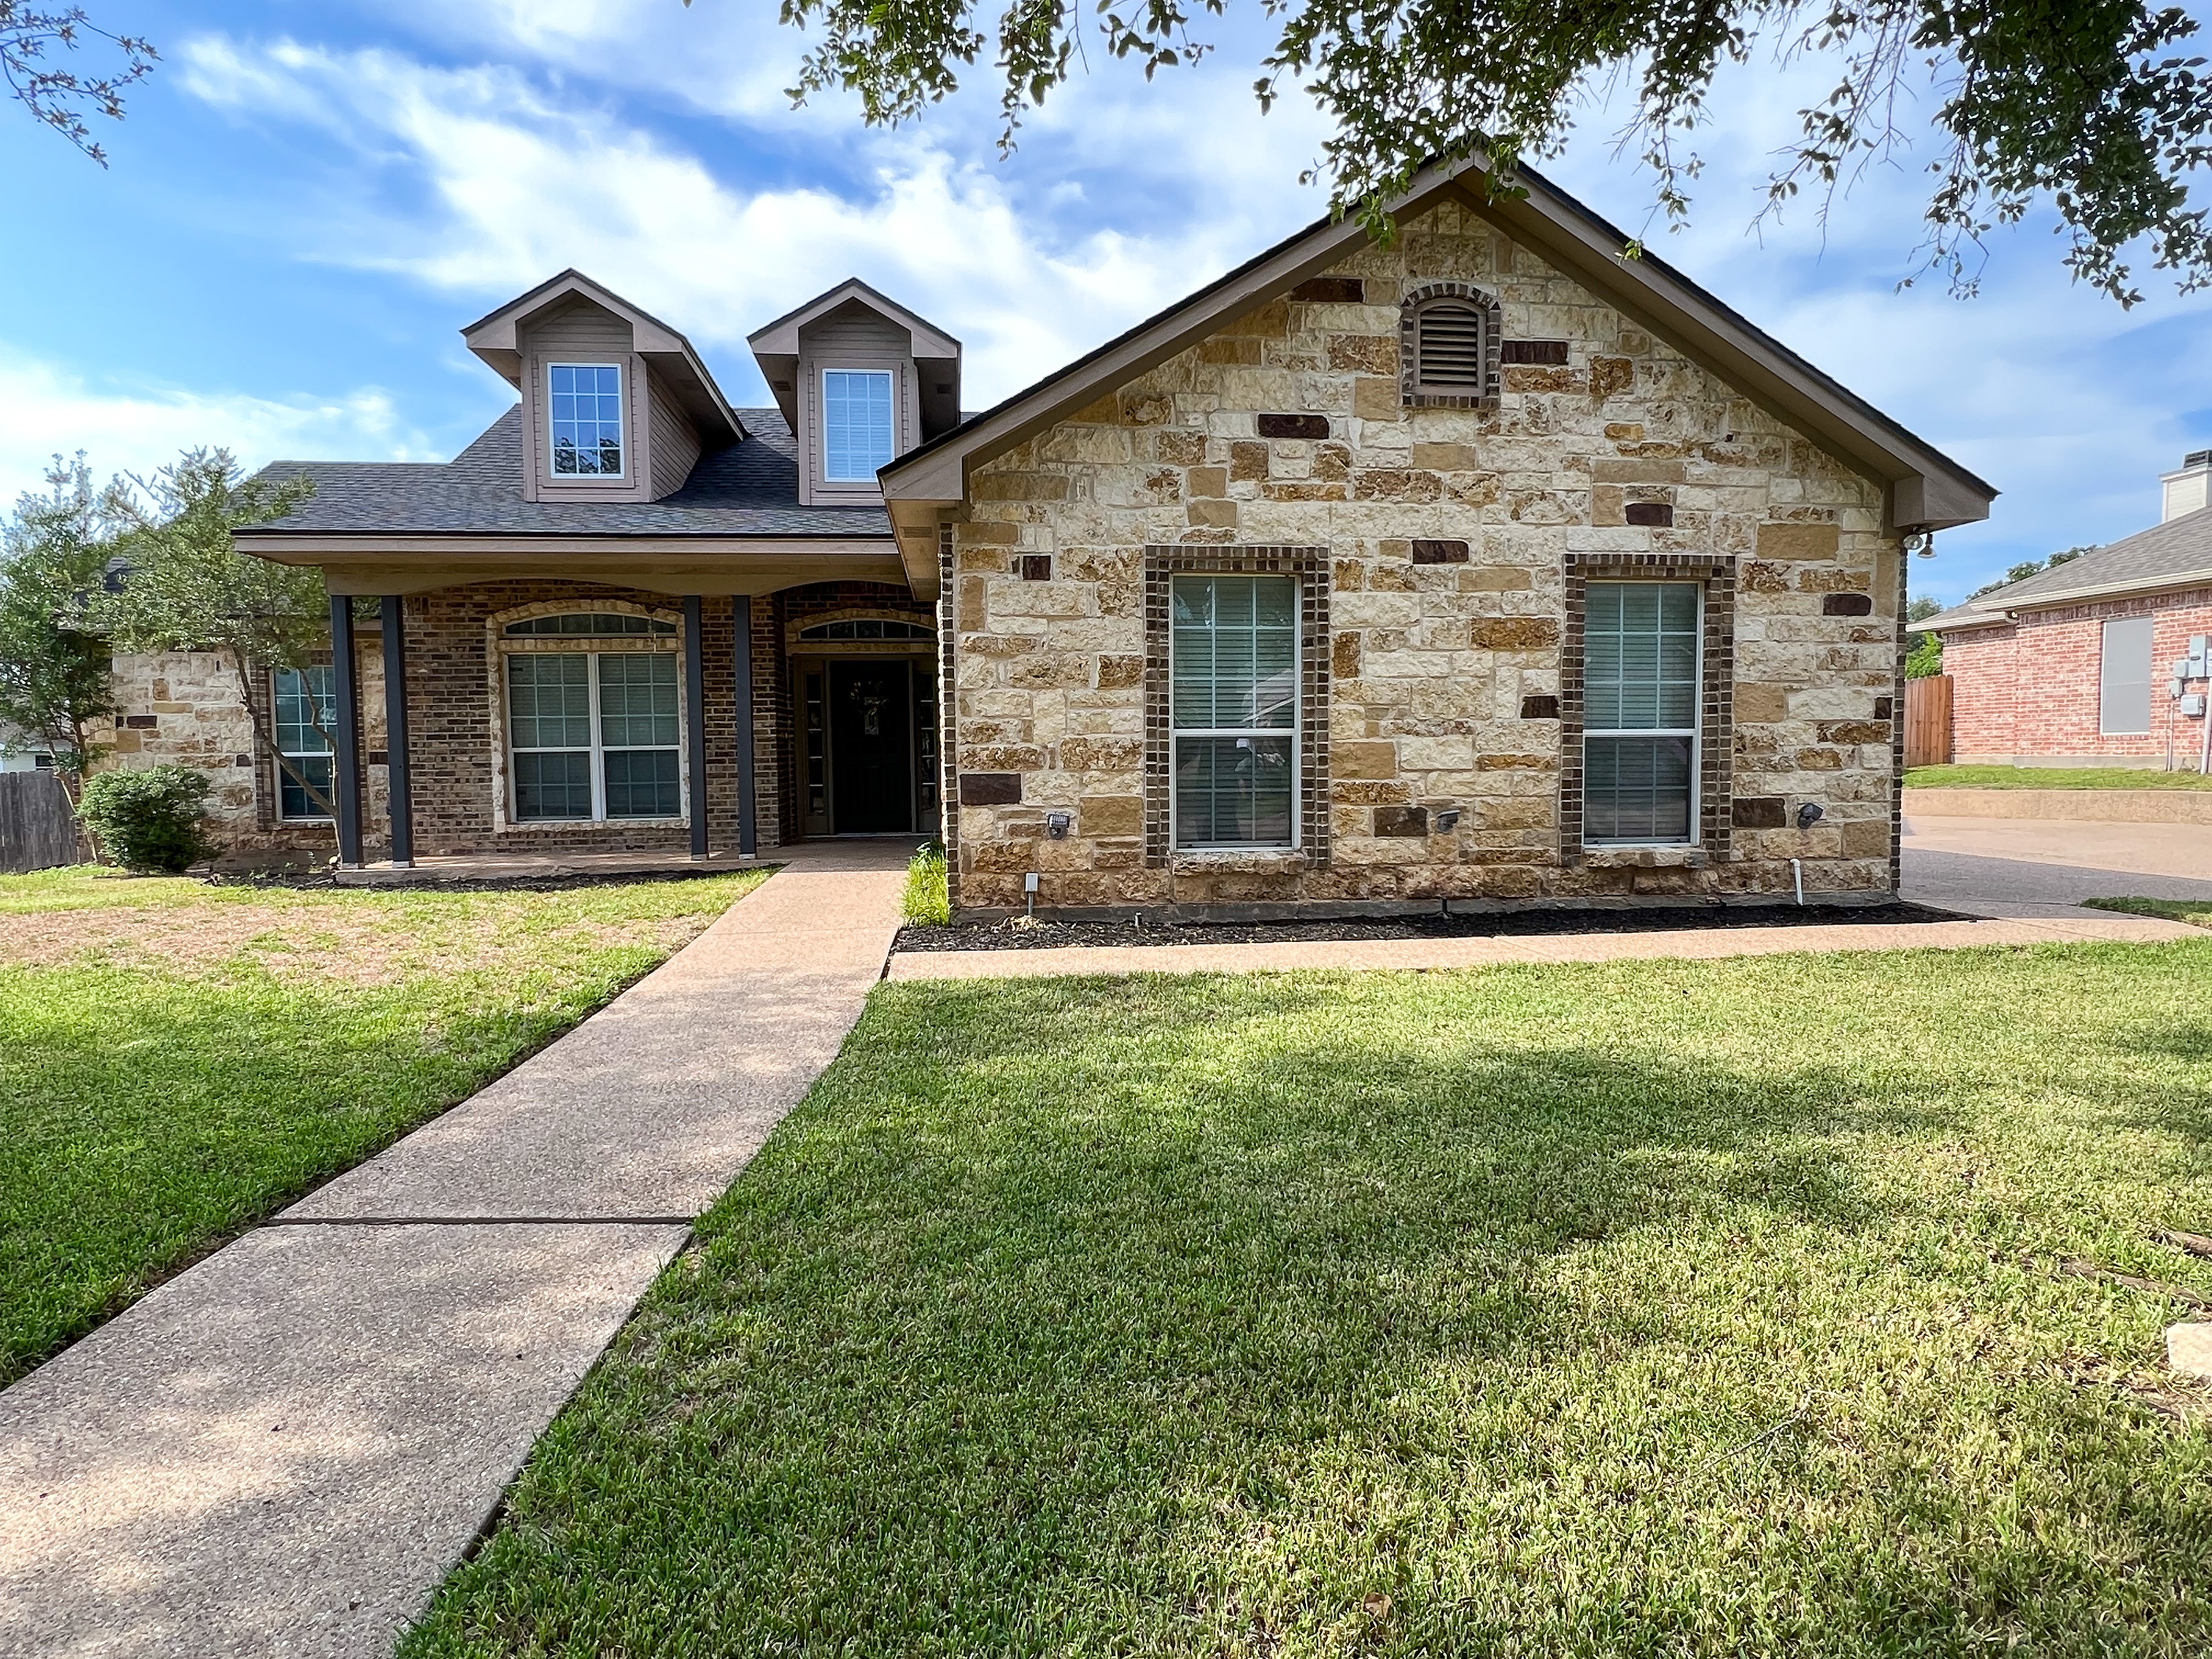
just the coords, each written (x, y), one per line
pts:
(148, 819)
(928, 900)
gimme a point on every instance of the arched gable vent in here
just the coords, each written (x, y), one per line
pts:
(1448, 347)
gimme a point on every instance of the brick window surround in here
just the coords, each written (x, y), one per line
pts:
(1717, 699)
(1409, 314)
(1310, 566)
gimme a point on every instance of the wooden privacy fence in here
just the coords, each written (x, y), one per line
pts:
(1928, 721)
(38, 830)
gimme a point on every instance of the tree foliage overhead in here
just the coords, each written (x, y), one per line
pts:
(58, 95)
(186, 588)
(55, 684)
(2084, 105)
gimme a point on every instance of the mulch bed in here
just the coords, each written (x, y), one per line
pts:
(1052, 935)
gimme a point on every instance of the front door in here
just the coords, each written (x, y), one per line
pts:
(871, 746)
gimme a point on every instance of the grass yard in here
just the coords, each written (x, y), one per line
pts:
(2050, 777)
(177, 1060)
(1652, 1309)
(2198, 912)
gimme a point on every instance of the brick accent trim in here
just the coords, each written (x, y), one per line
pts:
(1409, 353)
(1311, 566)
(1716, 713)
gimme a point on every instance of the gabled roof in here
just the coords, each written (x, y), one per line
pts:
(936, 354)
(2173, 555)
(496, 340)
(747, 488)
(1927, 489)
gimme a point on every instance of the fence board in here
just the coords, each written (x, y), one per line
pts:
(38, 830)
(1928, 721)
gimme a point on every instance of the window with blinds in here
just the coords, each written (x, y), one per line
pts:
(1641, 691)
(1233, 703)
(1448, 358)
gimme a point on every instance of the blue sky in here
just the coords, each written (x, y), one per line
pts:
(311, 196)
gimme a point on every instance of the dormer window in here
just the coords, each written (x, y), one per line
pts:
(856, 424)
(587, 419)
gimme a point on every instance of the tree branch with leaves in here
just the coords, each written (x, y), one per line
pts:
(56, 684)
(62, 98)
(2085, 106)
(185, 588)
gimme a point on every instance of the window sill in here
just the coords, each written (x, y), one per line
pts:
(532, 826)
(1239, 860)
(1671, 855)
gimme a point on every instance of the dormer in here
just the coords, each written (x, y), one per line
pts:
(615, 405)
(862, 380)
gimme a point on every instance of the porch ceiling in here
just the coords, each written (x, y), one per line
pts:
(674, 565)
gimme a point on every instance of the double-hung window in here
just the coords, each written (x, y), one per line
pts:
(592, 734)
(1233, 702)
(1641, 674)
(302, 703)
(856, 424)
(586, 405)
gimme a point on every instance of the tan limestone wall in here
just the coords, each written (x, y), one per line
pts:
(1433, 665)
(182, 709)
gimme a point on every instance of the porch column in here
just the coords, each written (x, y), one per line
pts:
(741, 613)
(345, 757)
(695, 714)
(395, 735)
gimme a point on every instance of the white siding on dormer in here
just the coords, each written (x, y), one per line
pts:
(583, 333)
(674, 447)
(857, 343)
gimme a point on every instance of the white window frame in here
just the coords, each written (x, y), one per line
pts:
(1693, 731)
(553, 472)
(1294, 732)
(892, 379)
(275, 679)
(591, 647)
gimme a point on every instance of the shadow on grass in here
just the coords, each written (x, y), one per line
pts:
(1188, 1316)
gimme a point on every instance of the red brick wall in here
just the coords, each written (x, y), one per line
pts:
(452, 729)
(2029, 689)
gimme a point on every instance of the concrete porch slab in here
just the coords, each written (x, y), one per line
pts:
(282, 1450)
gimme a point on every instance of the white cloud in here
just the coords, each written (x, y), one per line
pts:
(523, 179)
(46, 410)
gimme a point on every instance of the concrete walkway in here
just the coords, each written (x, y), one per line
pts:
(283, 1450)
(1403, 954)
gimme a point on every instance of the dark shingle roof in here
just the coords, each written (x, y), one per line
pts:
(750, 489)
(2177, 550)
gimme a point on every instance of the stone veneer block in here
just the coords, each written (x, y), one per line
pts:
(1797, 541)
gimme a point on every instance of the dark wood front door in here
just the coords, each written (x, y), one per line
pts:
(871, 746)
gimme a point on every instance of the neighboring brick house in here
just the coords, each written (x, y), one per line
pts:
(1488, 565)
(2101, 660)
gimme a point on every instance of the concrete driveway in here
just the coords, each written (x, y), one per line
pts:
(2046, 868)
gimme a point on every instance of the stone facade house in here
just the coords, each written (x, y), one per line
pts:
(1486, 566)
(2099, 662)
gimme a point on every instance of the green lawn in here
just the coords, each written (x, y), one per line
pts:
(2050, 777)
(177, 1059)
(1653, 1309)
(2198, 912)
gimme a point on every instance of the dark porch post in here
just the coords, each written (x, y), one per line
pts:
(695, 712)
(741, 612)
(345, 759)
(395, 735)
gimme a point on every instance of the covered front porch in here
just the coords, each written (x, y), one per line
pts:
(525, 728)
